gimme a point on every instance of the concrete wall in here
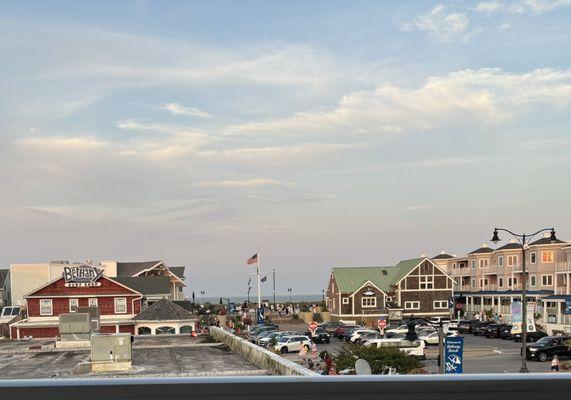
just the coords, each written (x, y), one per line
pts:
(259, 356)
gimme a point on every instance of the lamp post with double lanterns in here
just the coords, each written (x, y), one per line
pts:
(524, 240)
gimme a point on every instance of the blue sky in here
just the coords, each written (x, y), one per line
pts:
(320, 133)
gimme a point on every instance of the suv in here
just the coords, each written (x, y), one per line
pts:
(330, 326)
(547, 347)
(479, 328)
(320, 336)
(286, 344)
(530, 337)
(346, 333)
(495, 330)
(506, 332)
(466, 326)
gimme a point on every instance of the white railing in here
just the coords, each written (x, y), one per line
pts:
(563, 266)
(459, 271)
(492, 269)
(561, 290)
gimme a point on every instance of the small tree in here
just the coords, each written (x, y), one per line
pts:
(378, 358)
(489, 313)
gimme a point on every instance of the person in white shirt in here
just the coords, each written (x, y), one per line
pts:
(555, 364)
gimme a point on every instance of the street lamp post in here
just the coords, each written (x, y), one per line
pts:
(524, 240)
(202, 292)
(289, 291)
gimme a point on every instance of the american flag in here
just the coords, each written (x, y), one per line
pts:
(253, 259)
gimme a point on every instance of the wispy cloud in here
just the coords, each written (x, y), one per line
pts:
(63, 143)
(441, 25)
(488, 7)
(177, 109)
(416, 208)
(244, 183)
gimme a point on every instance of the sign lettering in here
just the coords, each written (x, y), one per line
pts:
(82, 276)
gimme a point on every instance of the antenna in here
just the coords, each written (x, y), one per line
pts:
(362, 367)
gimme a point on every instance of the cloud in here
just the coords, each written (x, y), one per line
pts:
(488, 7)
(63, 143)
(416, 208)
(177, 109)
(444, 27)
(244, 183)
(542, 6)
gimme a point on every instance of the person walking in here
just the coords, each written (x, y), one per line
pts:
(555, 364)
(302, 353)
(313, 350)
(328, 363)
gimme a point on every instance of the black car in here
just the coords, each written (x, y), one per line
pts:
(530, 337)
(320, 336)
(479, 328)
(495, 330)
(345, 335)
(506, 332)
(547, 347)
(330, 327)
(466, 326)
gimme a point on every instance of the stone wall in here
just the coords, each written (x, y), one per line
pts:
(259, 356)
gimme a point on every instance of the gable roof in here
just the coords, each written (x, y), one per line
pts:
(133, 268)
(112, 280)
(482, 250)
(545, 241)
(178, 271)
(510, 246)
(3, 276)
(442, 256)
(350, 279)
(147, 285)
(164, 310)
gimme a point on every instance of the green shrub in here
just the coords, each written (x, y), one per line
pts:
(378, 358)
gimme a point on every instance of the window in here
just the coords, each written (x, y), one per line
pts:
(483, 263)
(473, 264)
(453, 265)
(510, 282)
(345, 300)
(512, 261)
(532, 280)
(515, 280)
(473, 283)
(412, 305)
(368, 302)
(481, 283)
(46, 307)
(546, 257)
(547, 280)
(92, 302)
(73, 304)
(440, 304)
(120, 305)
(426, 282)
(533, 257)
(500, 261)
(501, 282)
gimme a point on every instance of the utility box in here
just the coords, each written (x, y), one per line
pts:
(93, 315)
(110, 347)
(74, 326)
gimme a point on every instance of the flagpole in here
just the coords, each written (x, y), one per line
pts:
(259, 286)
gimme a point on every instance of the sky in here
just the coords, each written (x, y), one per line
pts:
(317, 133)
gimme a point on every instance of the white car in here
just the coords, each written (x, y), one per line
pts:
(286, 344)
(417, 348)
(432, 338)
(357, 334)
(266, 341)
(453, 324)
(437, 320)
(398, 330)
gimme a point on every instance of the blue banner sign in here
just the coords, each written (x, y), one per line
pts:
(567, 306)
(260, 315)
(453, 355)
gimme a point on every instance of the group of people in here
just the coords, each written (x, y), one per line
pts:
(314, 362)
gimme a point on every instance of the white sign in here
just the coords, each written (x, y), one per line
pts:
(82, 276)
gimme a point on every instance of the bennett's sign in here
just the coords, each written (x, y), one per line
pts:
(82, 276)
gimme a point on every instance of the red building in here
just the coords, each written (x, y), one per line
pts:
(81, 286)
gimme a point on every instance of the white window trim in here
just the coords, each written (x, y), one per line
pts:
(440, 304)
(546, 283)
(51, 307)
(115, 304)
(428, 280)
(547, 252)
(368, 305)
(345, 300)
(501, 264)
(89, 302)
(473, 264)
(514, 259)
(532, 280)
(412, 305)
(76, 304)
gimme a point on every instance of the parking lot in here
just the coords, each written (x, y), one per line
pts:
(481, 355)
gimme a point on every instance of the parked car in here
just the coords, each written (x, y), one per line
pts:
(346, 333)
(530, 337)
(547, 347)
(432, 338)
(465, 326)
(330, 327)
(286, 344)
(495, 330)
(253, 335)
(320, 336)
(438, 320)
(341, 329)
(358, 332)
(401, 329)
(453, 324)
(506, 332)
(266, 341)
(368, 336)
(416, 349)
(479, 328)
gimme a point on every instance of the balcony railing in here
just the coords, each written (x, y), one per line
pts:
(460, 271)
(561, 290)
(492, 269)
(563, 267)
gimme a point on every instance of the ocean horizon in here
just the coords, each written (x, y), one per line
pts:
(280, 298)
